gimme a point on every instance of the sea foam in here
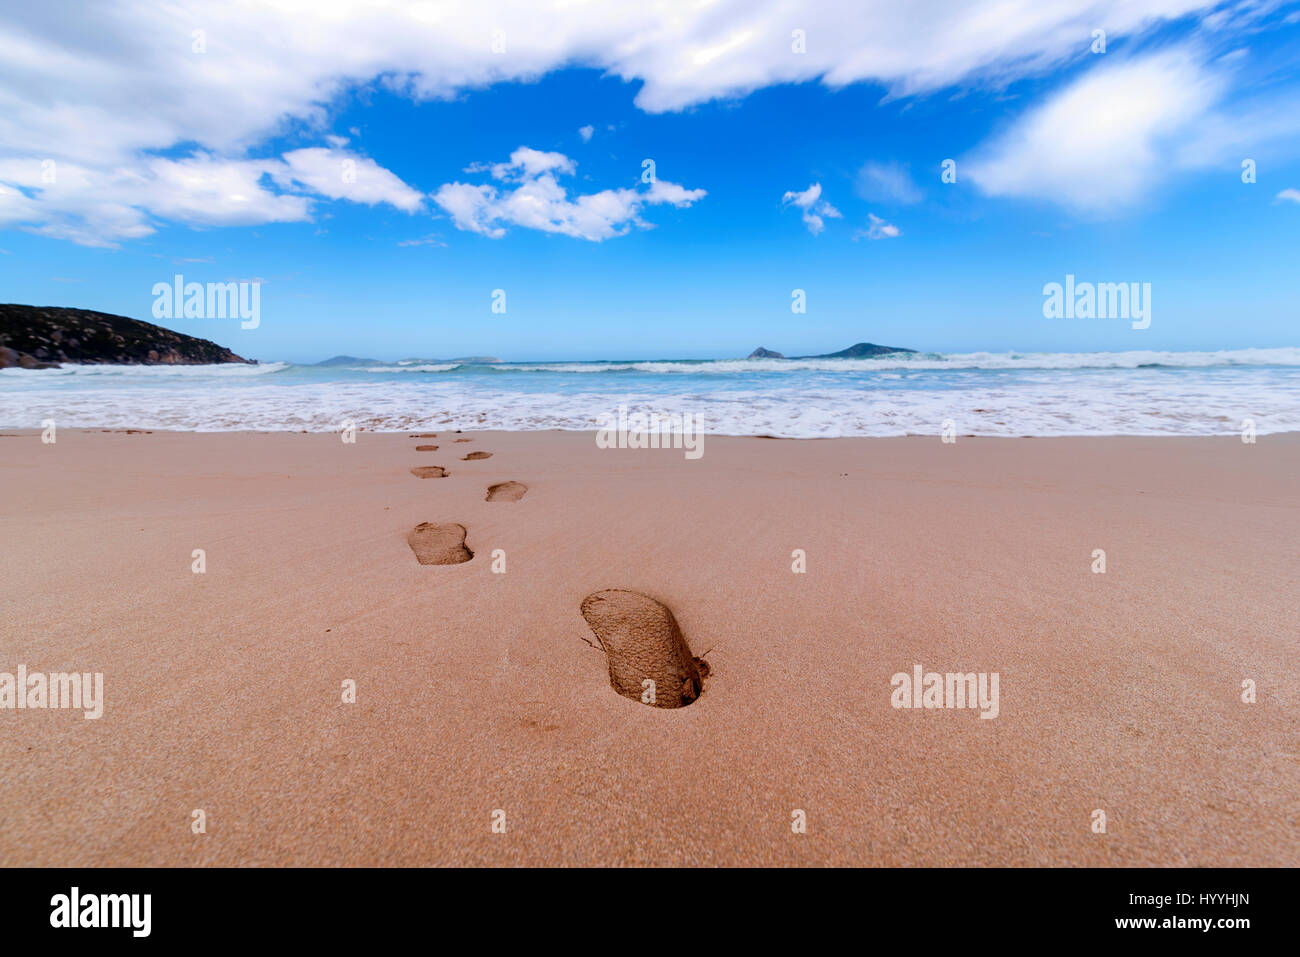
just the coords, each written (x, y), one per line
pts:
(1127, 393)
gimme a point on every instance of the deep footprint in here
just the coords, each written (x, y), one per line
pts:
(439, 544)
(506, 492)
(475, 456)
(642, 641)
(429, 471)
(426, 448)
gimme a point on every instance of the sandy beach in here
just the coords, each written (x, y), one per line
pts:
(479, 691)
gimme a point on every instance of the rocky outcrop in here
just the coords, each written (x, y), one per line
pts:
(37, 337)
(761, 353)
(11, 359)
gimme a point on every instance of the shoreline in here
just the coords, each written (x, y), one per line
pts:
(1142, 393)
(479, 690)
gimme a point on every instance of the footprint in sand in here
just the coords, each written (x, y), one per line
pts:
(426, 448)
(439, 544)
(464, 440)
(475, 456)
(642, 641)
(429, 471)
(506, 492)
(425, 435)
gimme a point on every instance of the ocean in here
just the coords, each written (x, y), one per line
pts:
(1009, 394)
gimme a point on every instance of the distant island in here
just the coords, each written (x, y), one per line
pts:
(41, 337)
(858, 351)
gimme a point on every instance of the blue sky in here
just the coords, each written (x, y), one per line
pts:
(1122, 166)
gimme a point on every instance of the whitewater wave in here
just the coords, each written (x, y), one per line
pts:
(1091, 403)
(1126, 393)
(408, 367)
(223, 370)
(898, 361)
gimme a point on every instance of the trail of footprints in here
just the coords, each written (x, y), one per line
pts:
(443, 543)
(649, 660)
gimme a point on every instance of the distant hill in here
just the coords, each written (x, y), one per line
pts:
(41, 337)
(858, 351)
(346, 361)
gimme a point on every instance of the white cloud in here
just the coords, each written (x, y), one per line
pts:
(123, 77)
(341, 175)
(813, 206)
(1290, 195)
(877, 228)
(663, 191)
(887, 183)
(802, 198)
(732, 47)
(202, 190)
(536, 200)
(101, 206)
(119, 83)
(1117, 133)
(471, 207)
(586, 132)
(526, 162)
